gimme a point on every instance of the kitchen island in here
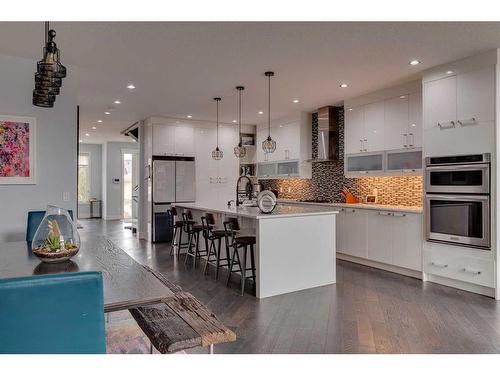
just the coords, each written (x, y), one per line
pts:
(295, 246)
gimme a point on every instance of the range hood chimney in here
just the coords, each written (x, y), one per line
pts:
(328, 134)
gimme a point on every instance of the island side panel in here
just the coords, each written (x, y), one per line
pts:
(295, 253)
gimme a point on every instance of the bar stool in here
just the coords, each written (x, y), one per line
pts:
(214, 256)
(240, 243)
(176, 226)
(193, 230)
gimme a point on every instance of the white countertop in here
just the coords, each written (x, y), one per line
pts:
(282, 210)
(383, 207)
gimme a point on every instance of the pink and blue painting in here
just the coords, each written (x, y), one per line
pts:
(16, 137)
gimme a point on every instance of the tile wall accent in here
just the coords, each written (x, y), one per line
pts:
(328, 179)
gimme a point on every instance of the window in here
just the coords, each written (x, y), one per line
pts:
(83, 177)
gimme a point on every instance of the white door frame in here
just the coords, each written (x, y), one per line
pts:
(125, 151)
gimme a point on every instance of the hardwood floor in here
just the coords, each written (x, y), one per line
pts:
(367, 311)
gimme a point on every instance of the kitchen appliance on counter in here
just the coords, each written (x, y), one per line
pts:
(173, 181)
(457, 200)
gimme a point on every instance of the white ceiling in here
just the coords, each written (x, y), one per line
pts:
(178, 68)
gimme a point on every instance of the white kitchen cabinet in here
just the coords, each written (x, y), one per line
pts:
(358, 165)
(354, 131)
(374, 127)
(476, 96)
(415, 120)
(407, 240)
(173, 140)
(404, 162)
(163, 140)
(379, 228)
(396, 122)
(355, 232)
(440, 103)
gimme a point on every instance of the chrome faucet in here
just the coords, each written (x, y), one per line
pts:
(248, 191)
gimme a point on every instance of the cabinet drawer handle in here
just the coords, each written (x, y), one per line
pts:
(440, 265)
(473, 272)
(412, 140)
(385, 213)
(398, 215)
(443, 126)
(406, 140)
(471, 121)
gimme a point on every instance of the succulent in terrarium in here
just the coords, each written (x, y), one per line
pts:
(56, 238)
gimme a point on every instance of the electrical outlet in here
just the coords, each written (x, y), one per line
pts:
(66, 196)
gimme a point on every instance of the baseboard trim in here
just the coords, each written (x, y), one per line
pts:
(112, 217)
(382, 266)
(462, 285)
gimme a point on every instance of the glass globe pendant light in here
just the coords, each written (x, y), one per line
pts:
(239, 151)
(269, 144)
(217, 154)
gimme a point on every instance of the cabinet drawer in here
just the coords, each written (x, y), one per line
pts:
(464, 268)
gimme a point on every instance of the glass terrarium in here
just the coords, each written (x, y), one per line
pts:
(56, 238)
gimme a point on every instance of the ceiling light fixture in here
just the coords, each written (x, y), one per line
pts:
(130, 86)
(261, 112)
(117, 101)
(107, 113)
(402, 97)
(217, 154)
(189, 116)
(269, 144)
(235, 121)
(94, 128)
(414, 62)
(343, 85)
(239, 151)
(449, 72)
(99, 121)
(296, 101)
(49, 74)
(87, 134)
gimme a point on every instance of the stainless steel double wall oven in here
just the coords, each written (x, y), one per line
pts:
(457, 200)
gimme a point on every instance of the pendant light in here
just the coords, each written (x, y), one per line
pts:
(269, 144)
(217, 154)
(50, 72)
(239, 151)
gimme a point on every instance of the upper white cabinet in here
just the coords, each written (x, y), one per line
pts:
(173, 140)
(387, 120)
(293, 148)
(354, 130)
(459, 107)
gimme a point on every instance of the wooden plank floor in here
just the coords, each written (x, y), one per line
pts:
(367, 311)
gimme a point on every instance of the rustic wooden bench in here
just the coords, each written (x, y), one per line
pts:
(180, 322)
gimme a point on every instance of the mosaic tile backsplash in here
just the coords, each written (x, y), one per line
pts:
(328, 179)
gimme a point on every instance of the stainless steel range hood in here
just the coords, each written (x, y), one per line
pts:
(328, 134)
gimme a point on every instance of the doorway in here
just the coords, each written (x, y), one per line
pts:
(130, 186)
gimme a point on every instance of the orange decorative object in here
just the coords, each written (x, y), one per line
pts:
(348, 196)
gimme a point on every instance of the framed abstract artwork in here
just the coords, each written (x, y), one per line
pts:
(17, 150)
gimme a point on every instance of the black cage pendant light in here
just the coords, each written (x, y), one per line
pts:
(239, 151)
(269, 144)
(49, 74)
(217, 154)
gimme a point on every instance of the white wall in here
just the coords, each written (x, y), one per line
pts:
(95, 151)
(56, 146)
(112, 168)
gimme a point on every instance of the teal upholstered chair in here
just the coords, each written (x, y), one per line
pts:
(61, 313)
(34, 220)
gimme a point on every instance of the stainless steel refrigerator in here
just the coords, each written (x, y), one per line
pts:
(174, 180)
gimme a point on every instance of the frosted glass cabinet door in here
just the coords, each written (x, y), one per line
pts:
(404, 160)
(266, 169)
(288, 168)
(365, 162)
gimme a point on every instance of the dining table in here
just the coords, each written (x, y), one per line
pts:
(127, 284)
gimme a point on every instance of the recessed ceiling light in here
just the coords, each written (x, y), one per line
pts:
(234, 121)
(130, 86)
(350, 109)
(87, 134)
(94, 128)
(414, 62)
(133, 140)
(413, 125)
(261, 112)
(343, 85)
(281, 126)
(402, 96)
(107, 113)
(189, 116)
(117, 101)
(449, 72)
(296, 100)
(99, 121)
